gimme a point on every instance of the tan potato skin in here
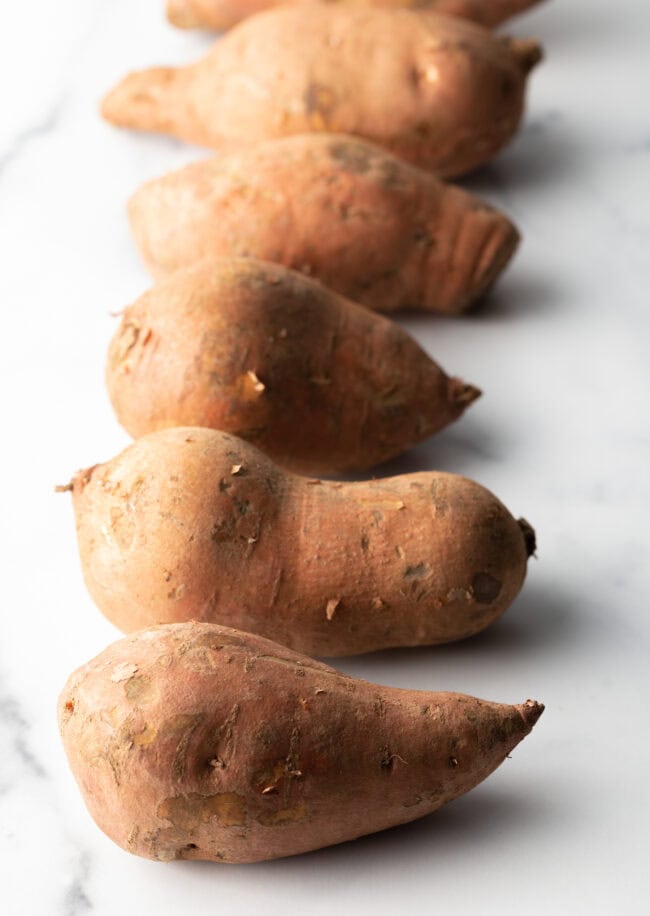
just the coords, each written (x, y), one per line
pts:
(451, 92)
(316, 382)
(194, 524)
(194, 741)
(223, 14)
(346, 212)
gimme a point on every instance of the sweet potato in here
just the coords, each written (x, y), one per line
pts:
(363, 222)
(194, 524)
(442, 93)
(316, 382)
(223, 14)
(194, 741)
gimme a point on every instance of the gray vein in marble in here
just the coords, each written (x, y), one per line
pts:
(44, 126)
(76, 900)
(18, 727)
(51, 119)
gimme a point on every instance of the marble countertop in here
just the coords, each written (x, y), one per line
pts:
(562, 434)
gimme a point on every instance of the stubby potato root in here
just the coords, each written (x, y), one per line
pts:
(193, 741)
(314, 381)
(363, 222)
(223, 14)
(194, 524)
(443, 93)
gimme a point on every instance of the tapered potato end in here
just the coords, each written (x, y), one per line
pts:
(527, 51)
(143, 100)
(530, 711)
(461, 394)
(182, 14)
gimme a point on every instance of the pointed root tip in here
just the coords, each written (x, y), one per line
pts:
(78, 482)
(528, 52)
(530, 539)
(531, 710)
(181, 14)
(462, 394)
(141, 100)
(111, 105)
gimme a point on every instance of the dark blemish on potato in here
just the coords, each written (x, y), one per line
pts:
(365, 543)
(353, 157)
(68, 709)
(389, 174)
(319, 100)
(485, 588)
(502, 733)
(419, 571)
(453, 762)
(422, 238)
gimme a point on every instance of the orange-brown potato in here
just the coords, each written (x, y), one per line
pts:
(223, 14)
(441, 92)
(316, 382)
(194, 741)
(194, 524)
(363, 222)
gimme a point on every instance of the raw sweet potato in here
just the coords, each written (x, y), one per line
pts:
(223, 14)
(442, 93)
(363, 222)
(194, 741)
(313, 380)
(191, 523)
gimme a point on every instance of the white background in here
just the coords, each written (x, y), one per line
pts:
(562, 435)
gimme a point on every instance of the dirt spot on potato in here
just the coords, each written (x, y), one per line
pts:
(187, 812)
(284, 816)
(145, 737)
(319, 102)
(419, 571)
(353, 157)
(137, 688)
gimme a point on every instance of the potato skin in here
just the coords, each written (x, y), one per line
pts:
(223, 14)
(193, 741)
(194, 524)
(452, 93)
(317, 383)
(363, 222)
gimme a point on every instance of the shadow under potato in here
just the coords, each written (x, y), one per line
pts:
(458, 450)
(544, 152)
(540, 621)
(479, 817)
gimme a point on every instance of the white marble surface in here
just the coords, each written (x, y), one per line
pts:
(562, 434)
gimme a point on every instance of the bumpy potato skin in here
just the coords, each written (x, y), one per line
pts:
(194, 741)
(223, 14)
(452, 92)
(317, 383)
(194, 524)
(346, 212)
